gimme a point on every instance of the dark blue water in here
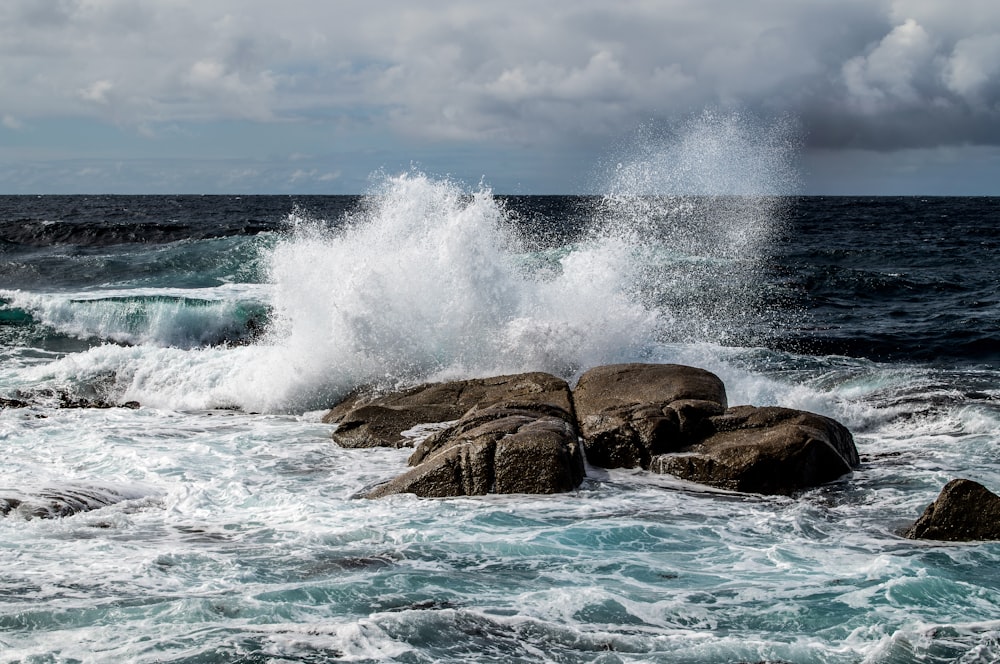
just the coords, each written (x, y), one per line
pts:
(895, 279)
(888, 279)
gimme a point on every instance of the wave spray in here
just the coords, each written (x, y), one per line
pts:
(429, 280)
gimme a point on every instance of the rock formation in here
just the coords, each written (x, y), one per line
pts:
(371, 420)
(673, 419)
(506, 448)
(59, 502)
(519, 434)
(508, 434)
(764, 450)
(963, 511)
(629, 413)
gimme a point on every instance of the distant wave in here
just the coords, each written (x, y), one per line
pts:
(155, 317)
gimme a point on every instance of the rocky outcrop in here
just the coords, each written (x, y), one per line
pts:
(673, 419)
(629, 413)
(519, 434)
(371, 420)
(964, 511)
(764, 450)
(12, 403)
(61, 399)
(507, 434)
(506, 448)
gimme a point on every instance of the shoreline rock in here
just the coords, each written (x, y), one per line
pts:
(374, 420)
(964, 511)
(505, 434)
(768, 450)
(673, 419)
(524, 433)
(501, 449)
(629, 413)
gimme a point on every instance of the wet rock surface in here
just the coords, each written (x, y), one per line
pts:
(767, 450)
(629, 413)
(673, 419)
(373, 420)
(54, 503)
(524, 433)
(964, 511)
(508, 448)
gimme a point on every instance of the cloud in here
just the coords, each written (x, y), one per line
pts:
(860, 74)
(97, 92)
(973, 67)
(313, 175)
(891, 73)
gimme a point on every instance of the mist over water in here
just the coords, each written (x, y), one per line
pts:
(704, 202)
(428, 280)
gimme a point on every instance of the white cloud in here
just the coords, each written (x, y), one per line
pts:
(974, 65)
(230, 92)
(545, 76)
(892, 71)
(97, 92)
(300, 176)
(447, 67)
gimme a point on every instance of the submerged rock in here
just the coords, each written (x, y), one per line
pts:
(963, 511)
(629, 413)
(768, 450)
(62, 399)
(56, 503)
(13, 403)
(368, 420)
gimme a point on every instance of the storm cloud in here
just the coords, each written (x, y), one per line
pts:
(858, 75)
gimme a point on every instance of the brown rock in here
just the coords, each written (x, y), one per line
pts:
(367, 420)
(629, 413)
(477, 418)
(464, 469)
(375, 425)
(765, 450)
(544, 456)
(498, 450)
(964, 511)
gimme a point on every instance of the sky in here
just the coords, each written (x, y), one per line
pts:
(320, 96)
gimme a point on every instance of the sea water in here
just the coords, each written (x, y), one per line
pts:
(218, 522)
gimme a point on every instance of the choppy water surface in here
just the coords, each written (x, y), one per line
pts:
(220, 523)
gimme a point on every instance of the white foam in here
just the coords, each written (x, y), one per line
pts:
(184, 318)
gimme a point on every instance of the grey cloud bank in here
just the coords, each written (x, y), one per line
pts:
(114, 95)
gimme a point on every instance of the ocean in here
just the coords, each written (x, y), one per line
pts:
(171, 358)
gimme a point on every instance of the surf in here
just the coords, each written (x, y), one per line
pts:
(429, 279)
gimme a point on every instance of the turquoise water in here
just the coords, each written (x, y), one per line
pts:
(237, 538)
